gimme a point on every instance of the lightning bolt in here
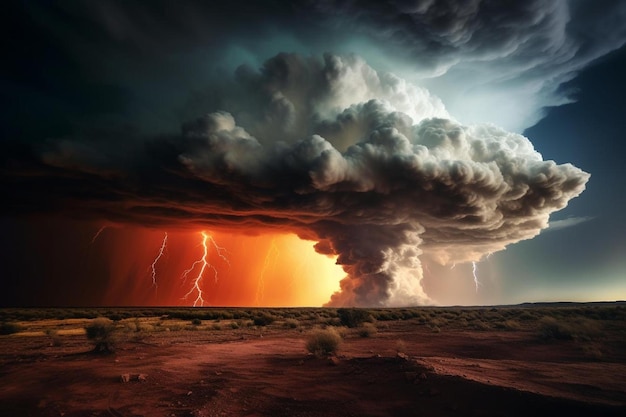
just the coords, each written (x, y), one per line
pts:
(93, 239)
(270, 262)
(201, 265)
(474, 273)
(153, 266)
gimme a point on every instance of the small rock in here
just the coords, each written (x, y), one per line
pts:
(142, 377)
(403, 356)
(125, 378)
(189, 393)
(334, 361)
(422, 376)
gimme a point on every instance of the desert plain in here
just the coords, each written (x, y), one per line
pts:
(537, 359)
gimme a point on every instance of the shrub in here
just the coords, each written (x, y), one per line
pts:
(512, 325)
(400, 346)
(353, 317)
(367, 330)
(292, 323)
(263, 320)
(115, 316)
(323, 342)
(9, 328)
(551, 328)
(55, 339)
(100, 332)
(196, 322)
(583, 329)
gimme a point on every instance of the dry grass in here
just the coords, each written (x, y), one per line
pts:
(323, 342)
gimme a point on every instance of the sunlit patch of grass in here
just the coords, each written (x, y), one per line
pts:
(71, 332)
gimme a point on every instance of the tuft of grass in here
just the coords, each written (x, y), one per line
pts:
(323, 342)
(400, 346)
(367, 330)
(292, 323)
(55, 339)
(512, 325)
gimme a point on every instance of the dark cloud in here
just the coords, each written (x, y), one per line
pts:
(367, 164)
(490, 61)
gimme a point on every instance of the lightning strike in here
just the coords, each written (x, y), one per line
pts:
(201, 265)
(475, 274)
(153, 265)
(270, 262)
(93, 239)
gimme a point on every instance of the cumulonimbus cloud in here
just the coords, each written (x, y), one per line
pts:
(368, 165)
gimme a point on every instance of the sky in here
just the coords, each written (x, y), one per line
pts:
(358, 153)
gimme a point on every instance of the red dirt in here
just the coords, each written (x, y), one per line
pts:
(241, 373)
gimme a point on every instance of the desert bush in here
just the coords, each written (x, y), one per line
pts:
(115, 316)
(367, 330)
(400, 346)
(55, 339)
(9, 328)
(216, 326)
(292, 323)
(508, 324)
(234, 325)
(264, 319)
(435, 329)
(438, 322)
(526, 316)
(323, 342)
(196, 322)
(480, 325)
(353, 317)
(551, 328)
(245, 323)
(100, 332)
(584, 329)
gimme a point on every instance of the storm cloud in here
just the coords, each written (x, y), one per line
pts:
(367, 164)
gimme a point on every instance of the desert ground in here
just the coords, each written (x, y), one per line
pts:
(566, 359)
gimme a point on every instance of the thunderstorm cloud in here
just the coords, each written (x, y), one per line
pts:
(365, 163)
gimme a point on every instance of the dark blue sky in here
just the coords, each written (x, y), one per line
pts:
(586, 260)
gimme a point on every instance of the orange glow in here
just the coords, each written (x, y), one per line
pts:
(214, 268)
